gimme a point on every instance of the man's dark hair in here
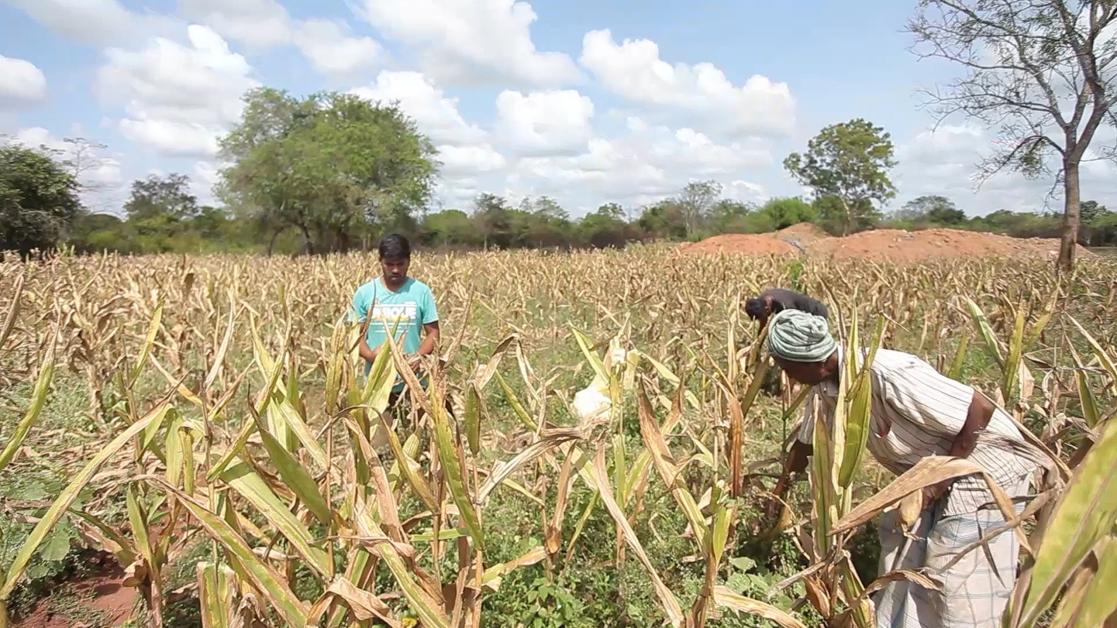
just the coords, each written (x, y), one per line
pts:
(755, 308)
(395, 246)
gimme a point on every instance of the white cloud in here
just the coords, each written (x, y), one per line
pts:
(256, 23)
(330, 48)
(436, 114)
(171, 138)
(745, 191)
(468, 160)
(99, 174)
(202, 181)
(472, 41)
(944, 161)
(639, 167)
(544, 123)
(21, 82)
(92, 21)
(634, 70)
(178, 99)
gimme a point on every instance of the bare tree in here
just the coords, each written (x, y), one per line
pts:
(1040, 72)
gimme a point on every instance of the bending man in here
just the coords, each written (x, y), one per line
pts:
(917, 412)
(775, 300)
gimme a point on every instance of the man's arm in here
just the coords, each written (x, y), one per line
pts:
(367, 353)
(431, 335)
(980, 412)
(795, 462)
(977, 418)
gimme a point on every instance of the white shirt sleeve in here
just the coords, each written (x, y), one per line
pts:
(806, 424)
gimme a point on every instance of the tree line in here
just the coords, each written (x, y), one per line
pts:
(332, 172)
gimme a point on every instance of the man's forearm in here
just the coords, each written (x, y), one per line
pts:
(430, 341)
(366, 352)
(977, 418)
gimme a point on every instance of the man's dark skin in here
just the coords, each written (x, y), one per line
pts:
(776, 300)
(394, 273)
(813, 373)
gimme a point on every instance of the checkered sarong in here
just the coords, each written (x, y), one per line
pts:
(975, 590)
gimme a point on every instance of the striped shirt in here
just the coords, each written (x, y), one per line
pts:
(918, 412)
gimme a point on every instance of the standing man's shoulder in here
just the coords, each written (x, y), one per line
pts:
(367, 288)
(419, 288)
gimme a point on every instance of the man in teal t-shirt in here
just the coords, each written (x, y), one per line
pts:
(403, 303)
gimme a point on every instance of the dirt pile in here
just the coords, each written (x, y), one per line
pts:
(911, 246)
(891, 245)
(803, 233)
(742, 244)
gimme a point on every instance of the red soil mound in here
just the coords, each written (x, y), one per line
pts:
(741, 243)
(884, 244)
(910, 246)
(804, 233)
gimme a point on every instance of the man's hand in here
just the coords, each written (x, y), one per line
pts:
(415, 362)
(932, 494)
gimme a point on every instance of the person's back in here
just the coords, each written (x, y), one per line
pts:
(775, 300)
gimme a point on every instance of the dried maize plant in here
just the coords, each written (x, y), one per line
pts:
(223, 410)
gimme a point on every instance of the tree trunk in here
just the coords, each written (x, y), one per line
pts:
(1069, 242)
(271, 243)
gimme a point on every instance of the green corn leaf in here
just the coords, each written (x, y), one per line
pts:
(295, 476)
(1085, 513)
(149, 342)
(986, 330)
(594, 360)
(514, 402)
(1086, 397)
(473, 405)
(860, 412)
(242, 479)
(67, 496)
(452, 459)
(215, 594)
(1099, 603)
(1011, 369)
(244, 562)
(668, 471)
(38, 401)
(1099, 352)
(959, 361)
(246, 430)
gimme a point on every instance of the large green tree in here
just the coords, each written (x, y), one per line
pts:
(846, 165)
(333, 166)
(38, 200)
(1041, 73)
(161, 196)
(931, 209)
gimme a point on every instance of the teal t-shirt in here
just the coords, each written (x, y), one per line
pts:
(405, 310)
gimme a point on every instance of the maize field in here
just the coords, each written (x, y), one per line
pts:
(596, 445)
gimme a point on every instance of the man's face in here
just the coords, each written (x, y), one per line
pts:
(809, 373)
(394, 269)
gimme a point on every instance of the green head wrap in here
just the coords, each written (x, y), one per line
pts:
(797, 336)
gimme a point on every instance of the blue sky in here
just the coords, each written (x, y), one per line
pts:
(588, 102)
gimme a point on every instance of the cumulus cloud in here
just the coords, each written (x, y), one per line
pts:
(331, 50)
(544, 123)
(99, 175)
(472, 41)
(463, 161)
(92, 21)
(21, 82)
(255, 23)
(436, 114)
(640, 166)
(945, 160)
(634, 70)
(178, 99)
